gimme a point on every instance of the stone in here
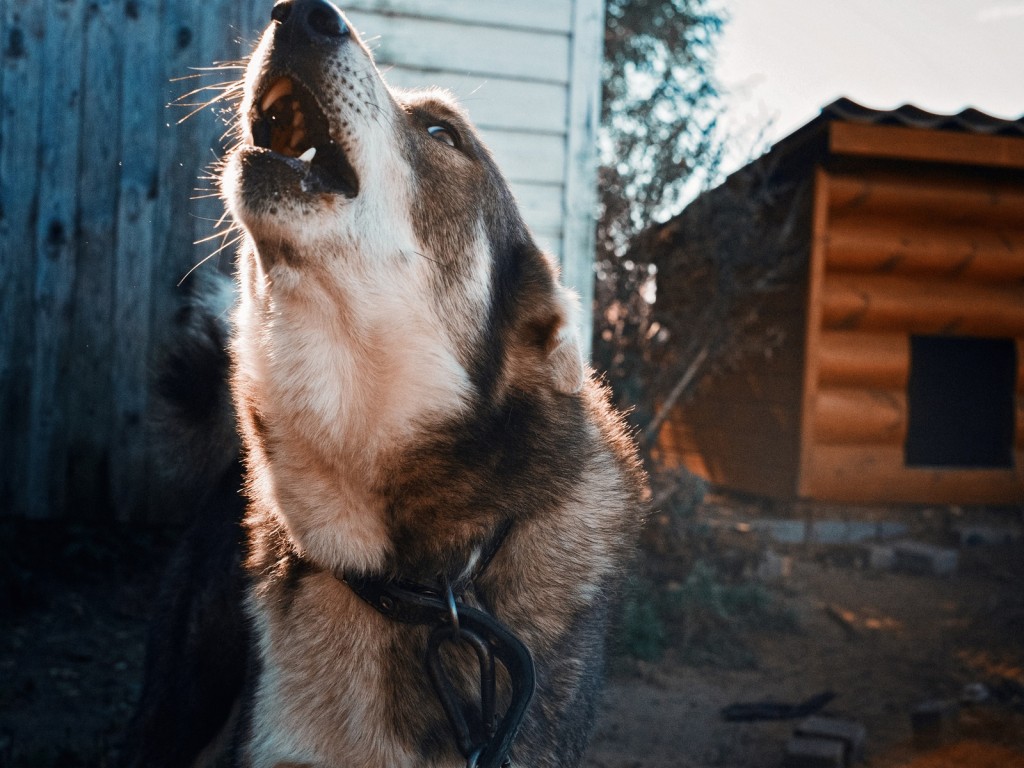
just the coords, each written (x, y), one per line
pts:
(829, 532)
(842, 531)
(987, 535)
(918, 557)
(891, 530)
(774, 567)
(852, 734)
(934, 721)
(881, 557)
(783, 531)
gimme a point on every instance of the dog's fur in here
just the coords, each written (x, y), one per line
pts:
(408, 382)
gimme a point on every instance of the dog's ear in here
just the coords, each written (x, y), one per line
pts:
(565, 357)
(545, 349)
(551, 351)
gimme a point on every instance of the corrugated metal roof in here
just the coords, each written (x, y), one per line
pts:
(791, 155)
(969, 121)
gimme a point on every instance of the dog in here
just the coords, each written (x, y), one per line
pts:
(439, 503)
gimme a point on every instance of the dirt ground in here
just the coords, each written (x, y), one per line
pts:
(884, 642)
(74, 601)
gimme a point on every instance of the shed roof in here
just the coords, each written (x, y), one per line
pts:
(846, 129)
(969, 120)
(811, 141)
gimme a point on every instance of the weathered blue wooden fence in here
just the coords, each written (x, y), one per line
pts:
(96, 229)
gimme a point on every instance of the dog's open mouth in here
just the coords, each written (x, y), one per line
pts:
(289, 122)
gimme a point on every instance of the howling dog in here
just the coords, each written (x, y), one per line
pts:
(438, 501)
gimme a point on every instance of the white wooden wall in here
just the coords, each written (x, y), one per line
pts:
(528, 73)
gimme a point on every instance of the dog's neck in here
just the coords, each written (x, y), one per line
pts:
(337, 386)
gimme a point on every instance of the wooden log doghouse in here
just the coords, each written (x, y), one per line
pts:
(896, 375)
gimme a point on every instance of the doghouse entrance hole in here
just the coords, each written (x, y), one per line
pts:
(961, 402)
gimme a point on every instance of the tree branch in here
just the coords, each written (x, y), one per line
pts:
(651, 433)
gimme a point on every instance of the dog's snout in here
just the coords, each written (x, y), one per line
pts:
(315, 20)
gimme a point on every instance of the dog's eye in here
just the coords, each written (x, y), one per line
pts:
(443, 134)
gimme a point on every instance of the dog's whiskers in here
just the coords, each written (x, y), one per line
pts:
(230, 91)
(226, 244)
(226, 86)
(199, 108)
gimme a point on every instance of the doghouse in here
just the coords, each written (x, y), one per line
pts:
(897, 376)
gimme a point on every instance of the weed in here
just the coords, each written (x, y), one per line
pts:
(704, 619)
(640, 631)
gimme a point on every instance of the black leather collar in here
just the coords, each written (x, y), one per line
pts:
(440, 607)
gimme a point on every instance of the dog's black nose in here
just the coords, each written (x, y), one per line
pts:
(316, 20)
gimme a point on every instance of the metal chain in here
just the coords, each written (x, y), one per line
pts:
(487, 744)
(470, 745)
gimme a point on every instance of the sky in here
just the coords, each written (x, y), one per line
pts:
(780, 61)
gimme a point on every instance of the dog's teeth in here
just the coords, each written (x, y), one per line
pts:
(281, 88)
(307, 156)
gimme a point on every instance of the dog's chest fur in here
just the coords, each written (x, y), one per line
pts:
(327, 688)
(341, 684)
(332, 385)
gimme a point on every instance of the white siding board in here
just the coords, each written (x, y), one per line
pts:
(581, 152)
(549, 243)
(474, 50)
(495, 102)
(528, 157)
(524, 14)
(541, 205)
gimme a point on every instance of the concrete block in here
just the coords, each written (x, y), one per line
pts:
(987, 535)
(881, 557)
(829, 532)
(850, 733)
(934, 721)
(783, 531)
(774, 567)
(857, 532)
(891, 530)
(813, 752)
(917, 557)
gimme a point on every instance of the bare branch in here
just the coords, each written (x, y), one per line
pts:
(650, 434)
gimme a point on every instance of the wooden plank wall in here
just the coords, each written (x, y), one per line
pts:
(741, 427)
(96, 222)
(935, 252)
(96, 229)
